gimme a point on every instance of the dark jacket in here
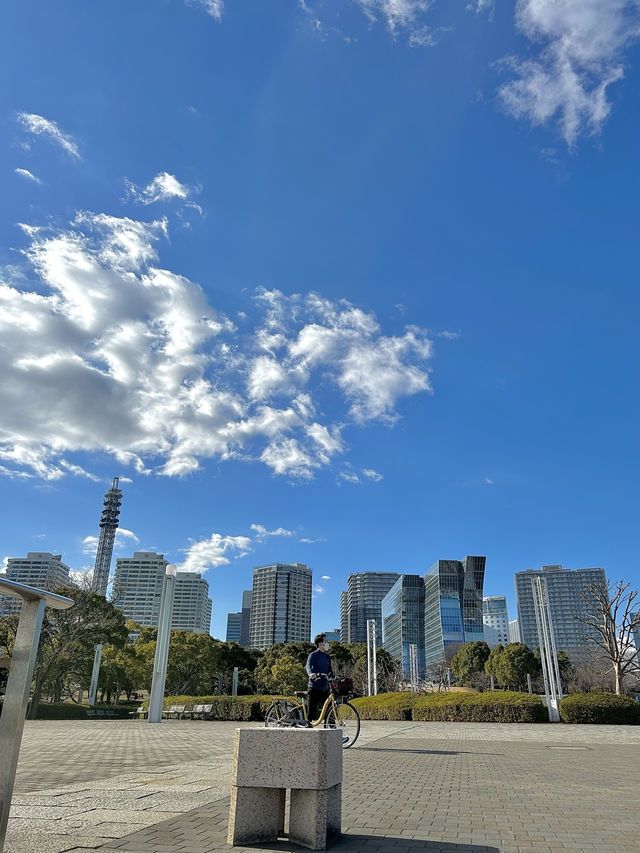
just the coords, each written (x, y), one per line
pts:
(319, 663)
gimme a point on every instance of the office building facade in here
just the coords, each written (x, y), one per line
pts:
(281, 605)
(245, 622)
(453, 605)
(363, 601)
(496, 617)
(568, 606)
(514, 631)
(234, 627)
(41, 569)
(137, 587)
(402, 611)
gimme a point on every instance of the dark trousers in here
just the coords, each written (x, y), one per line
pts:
(317, 699)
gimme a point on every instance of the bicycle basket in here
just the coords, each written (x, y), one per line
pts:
(343, 686)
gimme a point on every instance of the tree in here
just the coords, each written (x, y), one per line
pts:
(511, 664)
(67, 641)
(469, 661)
(438, 672)
(285, 675)
(341, 658)
(614, 616)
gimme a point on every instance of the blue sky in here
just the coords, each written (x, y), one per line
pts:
(357, 273)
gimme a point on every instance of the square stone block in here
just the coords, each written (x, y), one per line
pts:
(313, 816)
(287, 758)
(255, 815)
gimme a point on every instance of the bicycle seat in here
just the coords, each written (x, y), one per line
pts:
(300, 693)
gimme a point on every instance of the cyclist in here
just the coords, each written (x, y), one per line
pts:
(320, 671)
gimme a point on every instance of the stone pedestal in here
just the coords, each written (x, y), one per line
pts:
(269, 761)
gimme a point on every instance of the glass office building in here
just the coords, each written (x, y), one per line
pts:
(453, 605)
(403, 621)
(363, 601)
(496, 620)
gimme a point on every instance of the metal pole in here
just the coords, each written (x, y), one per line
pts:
(413, 666)
(545, 629)
(156, 698)
(95, 673)
(368, 657)
(375, 658)
(529, 685)
(16, 697)
(493, 683)
(234, 682)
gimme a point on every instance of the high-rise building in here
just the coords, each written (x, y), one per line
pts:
(403, 621)
(363, 601)
(496, 617)
(109, 521)
(568, 606)
(41, 569)
(191, 604)
(344, 617)
(333, 636)
(453, 605)
(234, 627)
(137, 587)
(514, 631)
(281, 605)
(245, 626)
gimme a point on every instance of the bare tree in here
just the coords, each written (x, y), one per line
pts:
(614, 617)
(438, 673)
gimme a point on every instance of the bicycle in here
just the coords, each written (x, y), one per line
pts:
(337, 713)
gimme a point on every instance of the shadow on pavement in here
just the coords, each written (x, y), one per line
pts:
(349, 843)
(421, 751)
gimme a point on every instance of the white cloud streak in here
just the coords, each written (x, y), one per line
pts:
(580, 55)
(262, 533)
(372, 474)
(163, 187)
(109, 352)
(39, 126)
(213, 8)
(217, 550)
(25, 173)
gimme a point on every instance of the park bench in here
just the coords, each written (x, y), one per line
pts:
(139, 713)
(201, 711)
(175, 711)
(100, 715)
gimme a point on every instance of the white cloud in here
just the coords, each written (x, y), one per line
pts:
(108, 352)
(580, 55)
(163, 187)
(213, 552)
(25, 173)
(262, 533)
(488, 481)
(214, 8)
(306, 541)
(123, 539)
(450, 335)
(372, 474)
(325, 578)
(318, 589)
(348, 477)
(37, 125)
(481, 6)
(397, 14)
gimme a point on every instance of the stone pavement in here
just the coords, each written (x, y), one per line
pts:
(131, 787)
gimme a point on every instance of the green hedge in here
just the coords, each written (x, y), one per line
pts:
(71, 711)
(493, 707)
(237, 708)
(386, 706)
(600, 708)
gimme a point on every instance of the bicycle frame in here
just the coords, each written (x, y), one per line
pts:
(328, 703)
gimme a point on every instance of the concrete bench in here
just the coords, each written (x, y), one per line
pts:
(269, 761)
(202, 711)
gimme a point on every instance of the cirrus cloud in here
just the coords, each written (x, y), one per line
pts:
(39, 126)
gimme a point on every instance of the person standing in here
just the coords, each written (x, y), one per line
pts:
(320, 671)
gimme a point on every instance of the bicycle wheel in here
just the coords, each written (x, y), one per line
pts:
(283, 713)
(344, 716)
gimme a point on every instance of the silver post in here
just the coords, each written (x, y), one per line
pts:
(375, 657)
(234, 682)
(95, 673)
(16, 698)
(413, 666)
(529, 685)
(368, 657)
(548, 657)
(163, 640)
(493, 683)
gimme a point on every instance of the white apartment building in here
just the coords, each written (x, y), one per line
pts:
(41, 569)
(514, 631)
(137, 587)
(281, 605)
(496, 619)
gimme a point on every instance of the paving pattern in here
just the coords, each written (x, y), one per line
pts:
(435, 787)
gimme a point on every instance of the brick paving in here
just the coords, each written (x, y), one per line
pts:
(453, 788)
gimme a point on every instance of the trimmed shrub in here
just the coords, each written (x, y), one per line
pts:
(386, 706)
(493, 707)
(71, 711)
(235, 708)
(600, 708)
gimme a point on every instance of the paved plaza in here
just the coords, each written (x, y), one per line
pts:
(132, 787)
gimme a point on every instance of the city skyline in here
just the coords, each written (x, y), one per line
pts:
(317, 291)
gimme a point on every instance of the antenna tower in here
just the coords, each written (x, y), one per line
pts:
(109, 521)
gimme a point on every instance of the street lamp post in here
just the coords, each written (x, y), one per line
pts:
(16, 697)
(372, 661)
(156, 698)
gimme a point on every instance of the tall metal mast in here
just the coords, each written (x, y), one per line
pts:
(109, 521)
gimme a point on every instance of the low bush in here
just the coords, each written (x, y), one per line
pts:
(386, 706)
(600, 708)
(71, 711)
(493, 707)
(236, 708)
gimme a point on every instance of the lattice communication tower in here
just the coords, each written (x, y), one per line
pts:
(109, 521)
